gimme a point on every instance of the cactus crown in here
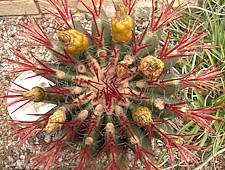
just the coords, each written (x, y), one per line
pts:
(118, 92)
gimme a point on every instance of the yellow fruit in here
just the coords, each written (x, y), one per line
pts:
(73, 41)
(59, 116)
(36, 94)
(121, 31)
(122, 24)
(142, 116)
(151, 66)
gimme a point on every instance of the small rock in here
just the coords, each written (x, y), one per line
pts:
(22, 157)
(10, 159)
(19, 163)
(47, 138)
(23, 148)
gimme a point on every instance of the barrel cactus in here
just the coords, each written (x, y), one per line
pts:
(115, 89)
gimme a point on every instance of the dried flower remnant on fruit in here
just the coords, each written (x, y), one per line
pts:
(122, 24)
(55, 120)
(121, 69)
(142, 116)
(159, 103)
(73, 41)
(122, 66)
(151, 66)
(36, 94)
(128, 59)
(121, 11)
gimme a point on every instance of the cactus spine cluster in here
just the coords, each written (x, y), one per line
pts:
(114, 89)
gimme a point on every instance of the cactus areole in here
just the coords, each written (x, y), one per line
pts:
(115, 89)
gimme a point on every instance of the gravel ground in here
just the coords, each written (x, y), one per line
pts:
(11, 157)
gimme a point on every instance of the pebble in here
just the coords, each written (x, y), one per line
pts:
(47, 138)
(10, 159)
(23, 148)
(22, 157)
(19, 163)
